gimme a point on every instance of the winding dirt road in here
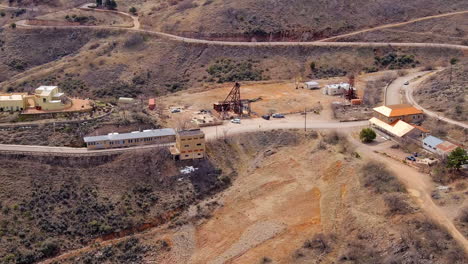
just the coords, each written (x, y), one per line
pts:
(395, 25)
(320, 43)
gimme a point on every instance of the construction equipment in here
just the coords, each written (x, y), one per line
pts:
(233, 103)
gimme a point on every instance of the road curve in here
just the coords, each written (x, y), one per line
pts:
(409, 97)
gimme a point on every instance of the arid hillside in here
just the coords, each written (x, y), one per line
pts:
(298, 20)
(111, 63)
(447, 92)
(294, 197)
(451, 29)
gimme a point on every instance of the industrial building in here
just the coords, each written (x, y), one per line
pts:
(404, 112)
(438, 146)
(190, 144)
(399, 121)
(398, 129)
(136, 138)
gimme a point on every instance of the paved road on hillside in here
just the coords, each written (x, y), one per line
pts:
(393, 92)
(409, 97)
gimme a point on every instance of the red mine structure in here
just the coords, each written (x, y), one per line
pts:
(232, 103)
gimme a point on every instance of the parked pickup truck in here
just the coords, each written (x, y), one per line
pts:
(278, 116)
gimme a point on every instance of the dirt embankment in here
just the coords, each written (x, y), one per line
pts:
(302, 197)
(283, 20)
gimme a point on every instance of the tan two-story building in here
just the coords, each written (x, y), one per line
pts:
(190, 144)
(391, 113)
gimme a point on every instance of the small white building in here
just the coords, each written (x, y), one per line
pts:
(336, 89)
(312, 85)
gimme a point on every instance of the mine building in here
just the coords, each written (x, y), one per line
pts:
(404, 112)
(137, 138)
(190, 144)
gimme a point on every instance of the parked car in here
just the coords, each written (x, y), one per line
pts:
(236, 121)
(266, 117)
(278, 116)
(175, 110)
(416, 154)
(407, 82)
(411, 158)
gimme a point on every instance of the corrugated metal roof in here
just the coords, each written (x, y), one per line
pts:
(432, 141)
(192, 132)
(397, 110)
(145, 134)
(400, 128)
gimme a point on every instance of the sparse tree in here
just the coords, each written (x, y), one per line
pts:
(110, 4)
(132, 10)
(457, 158)
(453, 61)
(98, 3)
(312, 66)
(367, 135)
(13, 25)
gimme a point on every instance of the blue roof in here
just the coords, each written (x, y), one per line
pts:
(432, 141)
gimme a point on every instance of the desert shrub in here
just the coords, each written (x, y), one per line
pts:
(397, 204)
(17, 64)
(132, 10)
(377, 177)
(327, 71)
(332, 138)
(186, 4)
(227, 70)
(320, 243)
(359, 252)
(463, 217)
(394, 61)
(133, 41)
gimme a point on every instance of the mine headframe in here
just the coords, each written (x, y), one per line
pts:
(351, 93)
(232, 102)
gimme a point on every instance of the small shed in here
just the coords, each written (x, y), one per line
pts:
(312, 85)
(126, 100)
(151, 104)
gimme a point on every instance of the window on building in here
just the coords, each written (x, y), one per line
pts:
(186, 146)
(199, 154)
(199, 144)
(44, 100)
(186, 155)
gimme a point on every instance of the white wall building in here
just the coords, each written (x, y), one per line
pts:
(336, 89)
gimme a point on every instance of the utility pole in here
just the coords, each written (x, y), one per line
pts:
(305, 119)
